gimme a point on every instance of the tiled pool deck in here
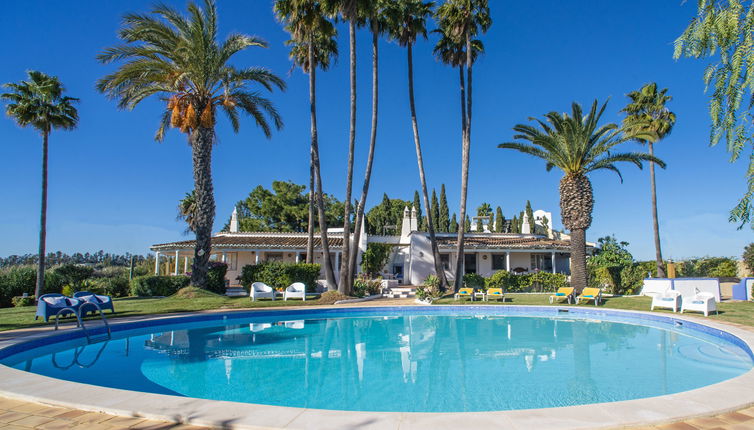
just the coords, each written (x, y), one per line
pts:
(17, 412)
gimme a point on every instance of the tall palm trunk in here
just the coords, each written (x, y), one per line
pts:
(201, 140)
(576, 203)
(420, 161)
(42, 221)
(310, 227)
(655, 222)
(345, 275)
(370, 159)
(466, 138)
(329, 275)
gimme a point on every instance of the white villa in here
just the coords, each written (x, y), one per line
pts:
(410, 262)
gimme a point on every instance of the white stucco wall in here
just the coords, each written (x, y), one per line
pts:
(520, 259)
(421, 262)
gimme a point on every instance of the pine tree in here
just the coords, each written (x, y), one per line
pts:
(467, 225)
(443, 222)
(453, 226)
(435, 208)
(499, 220)
(419, 217)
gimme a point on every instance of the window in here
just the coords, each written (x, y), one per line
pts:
(273, 256)
(498, 262)
(445, 260)
(541, 262)
(232, 259)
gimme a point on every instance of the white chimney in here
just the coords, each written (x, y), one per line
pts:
(234, 221)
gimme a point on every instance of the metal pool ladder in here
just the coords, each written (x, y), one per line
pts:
(80, 320)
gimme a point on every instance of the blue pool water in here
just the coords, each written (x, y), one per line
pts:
(413, 360)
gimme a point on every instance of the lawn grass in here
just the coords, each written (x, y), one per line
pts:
(735, 312)
(23, 317)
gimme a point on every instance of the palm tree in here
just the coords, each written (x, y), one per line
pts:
(179, 59)
(648, 104)
(578, 145)
(353, 12)
(39, 102)
(313, 46)
(460, 21)
(407, 21)
(377, 23)
(186, 211)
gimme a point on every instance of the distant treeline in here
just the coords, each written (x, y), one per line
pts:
(57, 258)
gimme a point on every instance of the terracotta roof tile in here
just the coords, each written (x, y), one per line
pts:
(515, 242)
(279, 241)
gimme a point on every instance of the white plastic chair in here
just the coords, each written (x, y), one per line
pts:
(295, 290)
(701, 302)
(670, 299)
(261, 290)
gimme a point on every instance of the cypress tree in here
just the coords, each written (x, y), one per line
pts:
(467, 225)
(546, 225)
(479, 225)
(453, 226)
(491, 224)
(435, 207)
(443, 222)
(514, 225)
(420, 225)
(499, 220)
(530, 218)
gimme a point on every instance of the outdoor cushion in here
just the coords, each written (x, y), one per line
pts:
(56, 301)
(560, 294)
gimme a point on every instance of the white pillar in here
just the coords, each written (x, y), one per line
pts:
(298, 257)
(185, 264)
(256, 257)
(507, 261)
(175, 271)
(553, 261)
(157, 263)
(225, 257)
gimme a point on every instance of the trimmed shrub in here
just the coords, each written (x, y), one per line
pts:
(539, 281)
(149, 286)
(363, 286)
(473, 280)
(280, 275)
(216, 277)
(20, 301)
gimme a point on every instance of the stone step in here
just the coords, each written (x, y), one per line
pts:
(235, 292)
(403, 292)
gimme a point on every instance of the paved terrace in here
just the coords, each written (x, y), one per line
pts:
(18, 414)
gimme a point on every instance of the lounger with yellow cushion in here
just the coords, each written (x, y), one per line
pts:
(465, 292)
(495, 293)
(562, 293)
(590, 294)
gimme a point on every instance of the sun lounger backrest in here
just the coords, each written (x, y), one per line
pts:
(689, 287)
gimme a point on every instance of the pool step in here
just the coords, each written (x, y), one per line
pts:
(402, 292)
(235, 292)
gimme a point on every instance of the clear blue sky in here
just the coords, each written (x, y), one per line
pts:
(113, 188)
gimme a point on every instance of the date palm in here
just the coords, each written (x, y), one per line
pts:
(186, 211)
(179, 59)
(377, 23)
(313, 46)
(407, 22)
(39, 102)
(578, 145)
(460, 21)
(648, 106)
(353, 12)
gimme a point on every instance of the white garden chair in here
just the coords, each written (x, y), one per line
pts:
(295, 290)
(670, 299)
(701, 302)
(260, 290)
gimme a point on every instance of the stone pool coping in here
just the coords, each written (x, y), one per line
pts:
(726, 396)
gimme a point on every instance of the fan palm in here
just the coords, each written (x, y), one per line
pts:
(648, 105)
(460, 21)
(179, 59)
(353, 12)
(377, 23)
(407, 21)
(578, 145)
(39, 102)
(313, 46)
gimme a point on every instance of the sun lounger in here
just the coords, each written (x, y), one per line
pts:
(295, 290)
(260, 290)
(50, 304)
(590, 294)
(495, 293)
(563, 293)
(465, 292)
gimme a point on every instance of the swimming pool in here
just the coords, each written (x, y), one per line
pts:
(426, 359)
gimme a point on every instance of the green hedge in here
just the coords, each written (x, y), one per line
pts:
(149, 286)
(280, 275)
(216, 277)
(17, 280)
(540, 281)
